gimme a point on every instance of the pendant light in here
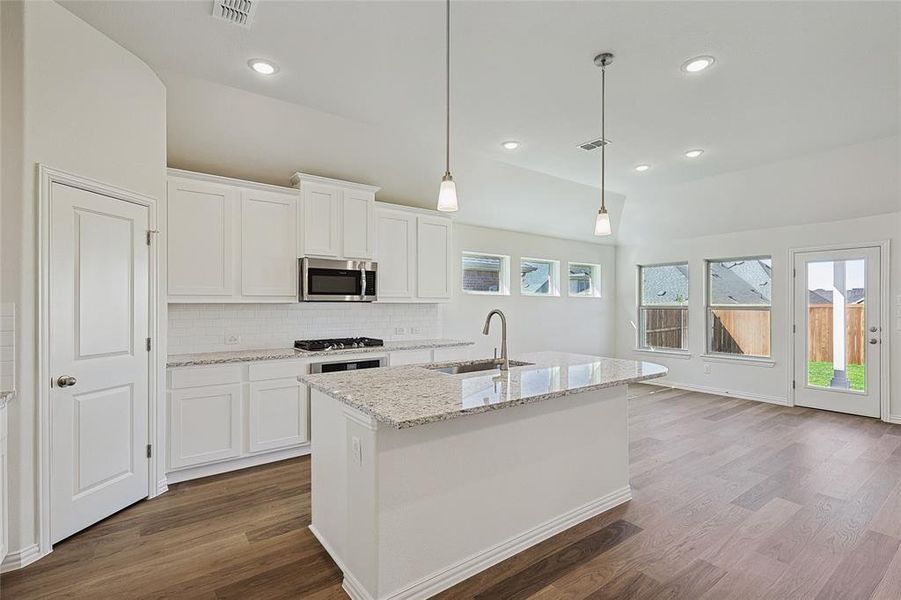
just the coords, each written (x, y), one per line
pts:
(447, 194)
(602, 223)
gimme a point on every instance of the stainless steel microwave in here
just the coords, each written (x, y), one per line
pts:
(327, 280)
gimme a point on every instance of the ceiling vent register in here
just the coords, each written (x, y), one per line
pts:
(238, 12)
(593, 144)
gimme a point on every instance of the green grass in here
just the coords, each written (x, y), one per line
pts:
(820, 374)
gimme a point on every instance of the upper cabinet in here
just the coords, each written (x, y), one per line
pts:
(229, 240)
(414, 254)
(337, 219)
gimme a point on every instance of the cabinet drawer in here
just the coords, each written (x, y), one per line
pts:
(189, 377)
(410, 357)
(277, 369)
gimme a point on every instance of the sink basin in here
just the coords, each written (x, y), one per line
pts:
(474, 367)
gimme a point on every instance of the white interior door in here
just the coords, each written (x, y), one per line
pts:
(838, 334)
(99, 283)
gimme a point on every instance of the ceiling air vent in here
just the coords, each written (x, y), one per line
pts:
(593, 144)
(239, 12)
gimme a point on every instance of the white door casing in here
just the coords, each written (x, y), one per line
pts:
(99, 318)
(854, 393)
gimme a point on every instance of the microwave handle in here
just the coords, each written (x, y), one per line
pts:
(362, 280)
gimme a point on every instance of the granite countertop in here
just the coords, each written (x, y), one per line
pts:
(406, 396)
(216, 358)
(6, 397)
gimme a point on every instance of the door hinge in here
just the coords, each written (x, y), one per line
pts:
(794, 329)
(150, 233)
(149, 345)
(793, 384)
(794, 272)
(149, 451)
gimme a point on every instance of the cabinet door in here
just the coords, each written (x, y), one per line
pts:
(278, 414)
(320, 219)
(396, 254)
(199, 229)
(268, 244)
(356, 219)
(433, 264)
(204, 425)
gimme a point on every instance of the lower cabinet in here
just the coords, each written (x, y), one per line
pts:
(4, 488)
(277, 414)
(204, 425)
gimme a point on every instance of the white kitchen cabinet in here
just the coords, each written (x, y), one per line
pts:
(414, 253)
(337, 217)
(277, 412)
(433, 260)
(396, 253)
(199, 232)
(229, 240)
(204, 425)
(268, 245)
(410, 357)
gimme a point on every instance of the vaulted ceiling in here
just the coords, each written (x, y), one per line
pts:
(360, 94)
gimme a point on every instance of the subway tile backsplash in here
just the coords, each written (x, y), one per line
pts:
(207, 327)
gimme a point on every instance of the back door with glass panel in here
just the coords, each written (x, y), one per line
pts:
(837, 331)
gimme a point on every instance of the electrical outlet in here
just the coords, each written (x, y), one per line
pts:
(356, 450)
(706, 368)
(399, 330)
(416, 330)
(231, 340)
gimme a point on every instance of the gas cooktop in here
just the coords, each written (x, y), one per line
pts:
(338, 343)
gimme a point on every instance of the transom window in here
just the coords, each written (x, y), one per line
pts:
(584, 280)
(739, 300)
(663, 307)
(486, 273)
(539, 277)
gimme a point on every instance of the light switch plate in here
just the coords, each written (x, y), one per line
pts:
(399, 330)
(231, 340)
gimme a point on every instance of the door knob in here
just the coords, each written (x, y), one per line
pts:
(874, 329)
(66, 381)
(874, 341)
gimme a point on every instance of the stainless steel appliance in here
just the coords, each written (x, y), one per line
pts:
(347, 365)
(338, 343)
(328, 280)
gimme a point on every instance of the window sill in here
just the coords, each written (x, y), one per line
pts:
(683, 354)
(746, 360)
(478, 293)
(586, 297)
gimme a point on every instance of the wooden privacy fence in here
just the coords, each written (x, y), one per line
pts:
(819, 334)
(737, 331)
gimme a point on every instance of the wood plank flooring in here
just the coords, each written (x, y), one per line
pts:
(732, 500)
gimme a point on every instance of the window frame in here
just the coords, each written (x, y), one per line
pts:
(639, 341)
(597, 290)
(709, 307)
(503, 275)
(554, 291)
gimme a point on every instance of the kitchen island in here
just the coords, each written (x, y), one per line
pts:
(424, 475)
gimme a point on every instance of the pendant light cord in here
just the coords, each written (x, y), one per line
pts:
(603, 130)
(447, 92)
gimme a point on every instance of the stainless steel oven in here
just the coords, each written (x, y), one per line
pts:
(326, 280)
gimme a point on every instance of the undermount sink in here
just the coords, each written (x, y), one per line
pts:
(474, 367)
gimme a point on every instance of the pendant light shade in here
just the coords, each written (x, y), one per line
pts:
(447, 193)
(602, 223)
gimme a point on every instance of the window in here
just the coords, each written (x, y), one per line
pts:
(663, 307)
(739, 297)
(486, 273)
(584, 280)
(539, 277)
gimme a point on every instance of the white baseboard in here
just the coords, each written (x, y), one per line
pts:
(234, 465)
(466, 568)
(894, 419)
(162, 486)
(22, 558)
(781, 401)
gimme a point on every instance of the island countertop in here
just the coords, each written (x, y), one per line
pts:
(411, 395)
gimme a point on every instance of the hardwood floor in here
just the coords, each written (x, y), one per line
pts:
(732, 500)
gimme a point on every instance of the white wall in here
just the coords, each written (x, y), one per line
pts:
(534, 323)
(754, 381)
(84, 105)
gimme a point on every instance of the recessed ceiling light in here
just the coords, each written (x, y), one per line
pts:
(510, 145)
(642, 168)
(698, 63)
(263, 67)
(694, 153)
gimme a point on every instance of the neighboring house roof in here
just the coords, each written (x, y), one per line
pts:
(821, 296)
(535, 278)
(742, 281)
(664, 284)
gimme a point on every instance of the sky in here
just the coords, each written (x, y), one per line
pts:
(819, 275)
